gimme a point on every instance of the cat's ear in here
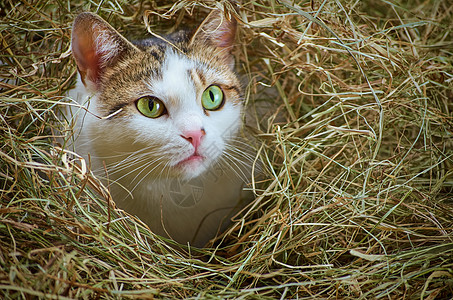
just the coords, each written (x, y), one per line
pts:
(218, 30)
(96, 46)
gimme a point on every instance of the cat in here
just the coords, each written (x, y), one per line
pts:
(159, 120)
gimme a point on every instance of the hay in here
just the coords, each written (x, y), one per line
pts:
(358, 199)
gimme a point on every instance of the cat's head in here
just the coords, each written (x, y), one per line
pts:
(170, 107)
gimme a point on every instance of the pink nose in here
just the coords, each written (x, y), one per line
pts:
(194, 137)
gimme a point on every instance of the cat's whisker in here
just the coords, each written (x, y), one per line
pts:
(167, 171)
(143, 177)
(156, 162)
(244, 157)
(142, 167)
(241, 153)
(248, 154)
(125, 164)
(129, 160)
(116, 168)
(227, 157)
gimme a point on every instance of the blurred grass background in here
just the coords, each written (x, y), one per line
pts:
(358, 200)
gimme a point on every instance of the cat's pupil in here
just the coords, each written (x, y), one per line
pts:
(151, 105)
(211, 94)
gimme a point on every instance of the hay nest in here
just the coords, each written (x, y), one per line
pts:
(358, 144)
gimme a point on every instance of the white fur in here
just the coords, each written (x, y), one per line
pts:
(106, 47)
(142, 155)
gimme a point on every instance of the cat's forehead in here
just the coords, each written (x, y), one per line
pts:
(174, 80)
(182, 77)
(177, 78)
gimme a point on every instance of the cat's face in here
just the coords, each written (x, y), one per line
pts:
(169, 110)
(178, 120)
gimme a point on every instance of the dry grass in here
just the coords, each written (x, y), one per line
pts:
(359, 198)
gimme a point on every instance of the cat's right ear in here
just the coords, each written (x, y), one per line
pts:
(218, 30)
(96, 46)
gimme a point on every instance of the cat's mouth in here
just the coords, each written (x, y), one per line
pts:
(191, 166)
(194, 158)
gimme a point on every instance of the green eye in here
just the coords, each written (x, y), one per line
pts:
(212, 98)
(150, 107)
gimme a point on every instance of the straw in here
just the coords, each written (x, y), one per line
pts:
(351, 106)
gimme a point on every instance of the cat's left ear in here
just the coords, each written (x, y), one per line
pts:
(96, 46)
(218, 30)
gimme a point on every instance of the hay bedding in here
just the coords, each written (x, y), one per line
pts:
(357, 202)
